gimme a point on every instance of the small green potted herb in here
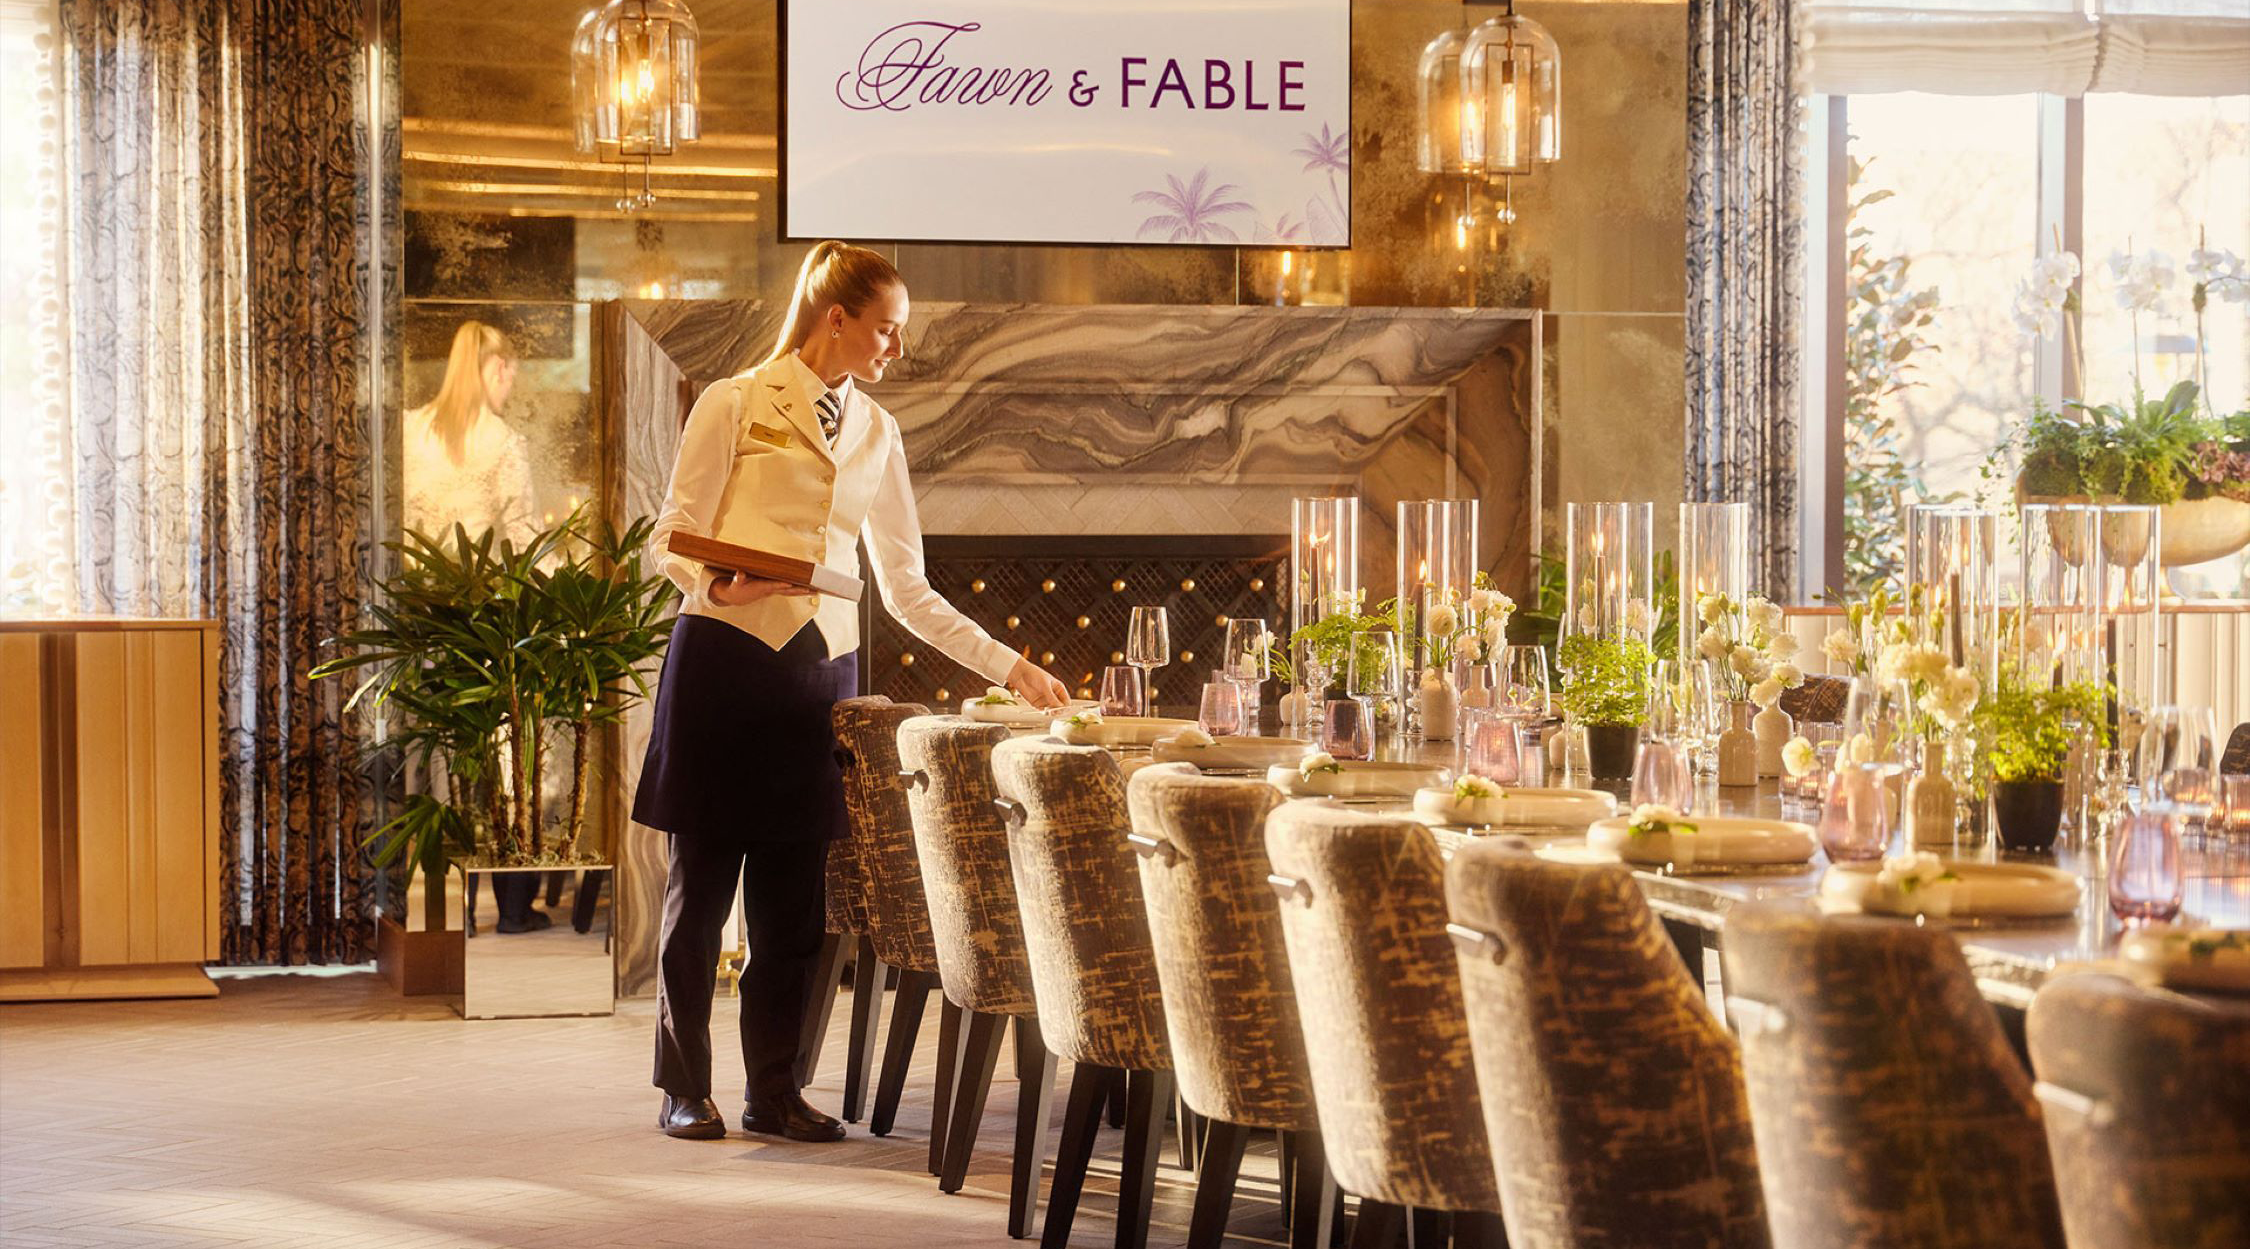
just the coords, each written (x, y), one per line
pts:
(2031, 727)
(1605, 692)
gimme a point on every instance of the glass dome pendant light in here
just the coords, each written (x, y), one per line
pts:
(1511, 78)
(634, 94)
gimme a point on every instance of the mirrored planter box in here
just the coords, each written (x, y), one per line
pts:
(538, 942)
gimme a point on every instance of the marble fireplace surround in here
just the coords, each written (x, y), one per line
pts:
(1110, 419)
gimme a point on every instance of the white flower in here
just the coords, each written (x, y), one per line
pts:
(1638, 618)
(1891, 664)
(1318, 761)
(1444, 621)
(1952, 697)
(1746, 663)
(1472, 787)
(1480, 600)
(998, 696)
(1784, 646)
(1193, 736)
(1587, 618)
(1905, 873)
(2140, 279)
(1799, 757)
(1711, 607)
(1861, 749)
(1766, 693)
(1655, 817)
(1841, 648)
(1085, 719)
(1926, 664)
(1496, 631)
(1790, 675)
(1712, 644)
(1764, 614)
(2206, 265)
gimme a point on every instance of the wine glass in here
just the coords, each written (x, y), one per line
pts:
(1313, 673)
(1878, 723)
(1523, 690)
(1248, 662)
(1855, 819)
(1491, 745)
(1702, 710)
(2178, 760)
(1374, 676)
(1148, 646)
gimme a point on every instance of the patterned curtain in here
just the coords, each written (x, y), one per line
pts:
(1745, 281)
(215, 158)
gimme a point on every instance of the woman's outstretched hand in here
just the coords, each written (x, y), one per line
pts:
(736, 590)
(1038, 685)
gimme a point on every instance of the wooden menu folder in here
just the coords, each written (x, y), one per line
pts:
(749, 561)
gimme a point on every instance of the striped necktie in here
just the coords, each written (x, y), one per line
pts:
(831, 415)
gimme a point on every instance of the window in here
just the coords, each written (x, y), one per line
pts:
(35, 528)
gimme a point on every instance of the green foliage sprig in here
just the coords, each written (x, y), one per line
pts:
(1605, 679)
(2031, 726)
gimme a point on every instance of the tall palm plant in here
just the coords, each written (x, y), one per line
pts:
(489, 652)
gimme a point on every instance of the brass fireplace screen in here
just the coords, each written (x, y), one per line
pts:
(1064, 602)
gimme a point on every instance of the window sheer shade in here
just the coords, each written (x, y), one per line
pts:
(36, 528)
(2011, 47)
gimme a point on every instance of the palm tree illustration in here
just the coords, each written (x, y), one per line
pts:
(1190, 212)
(1331, 153)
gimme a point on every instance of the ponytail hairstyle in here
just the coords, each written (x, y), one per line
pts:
(833, 273)
(461, 397)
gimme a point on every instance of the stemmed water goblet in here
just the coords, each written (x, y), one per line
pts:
(1148, 646)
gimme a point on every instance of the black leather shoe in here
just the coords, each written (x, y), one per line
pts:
(691, 1118)
(786, 1114)
(532, 921)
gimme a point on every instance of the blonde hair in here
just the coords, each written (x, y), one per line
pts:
(461, 396)
(833, 273)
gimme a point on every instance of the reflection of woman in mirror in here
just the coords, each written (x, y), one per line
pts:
(463, 463)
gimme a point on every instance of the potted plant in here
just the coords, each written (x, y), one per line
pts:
(1605, 691)
(2030, 726)
(489, 656)
(2174, 451)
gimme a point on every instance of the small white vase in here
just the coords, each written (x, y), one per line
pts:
(1929, 810)
(1738, 749)
(1438, 704)
(1296, 708)
(1773, 728)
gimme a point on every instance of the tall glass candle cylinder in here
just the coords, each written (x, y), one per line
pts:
(1610, 562)
(1323, 558)
(2129, 608)
(2057, 634)
(1714, 559)
(1437, 564)
(1952, 556)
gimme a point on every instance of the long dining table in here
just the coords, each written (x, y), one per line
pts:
(2010, 958)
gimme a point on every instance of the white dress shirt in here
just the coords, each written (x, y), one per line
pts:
(754, 469)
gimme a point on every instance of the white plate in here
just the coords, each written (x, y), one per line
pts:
(1018, 715)
(1519, 808)
(1998, 890)
(1116, 731)
(1730, 840)
(1358, 779)
(2207, 960)
(1575, 853)
(1233, 752)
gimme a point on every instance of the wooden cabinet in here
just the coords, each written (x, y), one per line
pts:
(109, 808)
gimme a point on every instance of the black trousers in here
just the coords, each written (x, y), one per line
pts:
(784, 897)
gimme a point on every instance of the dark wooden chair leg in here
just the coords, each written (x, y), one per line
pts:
(587, 897)
(1477, 1229)
(1214, 1187)
(1035, 1095)
(1285, 1143)
(1089, 1088)
(1428, 1229)
(867, 1016)
(828, 970)
(1117, 1099)
(949, 1055)
(1191, 1134)
(1313, 1200)
(1381, 1225)
(1146, 1095)
(972, 1084)
(907, 1004)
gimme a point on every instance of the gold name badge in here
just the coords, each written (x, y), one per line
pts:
(769, 435)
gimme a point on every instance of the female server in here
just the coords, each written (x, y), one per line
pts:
(741, 770)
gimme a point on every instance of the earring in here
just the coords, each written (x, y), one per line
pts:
(835, 333)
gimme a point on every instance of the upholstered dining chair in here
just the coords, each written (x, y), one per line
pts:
(1612, 1095)
(1386, 1037)
(2235, 759)
(1237, 1047)
(1888, 1106)
(898, 913)
(1820, 700)
(2147, 1099)
(1093, 971)
(945, 765)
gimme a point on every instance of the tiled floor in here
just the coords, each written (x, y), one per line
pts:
(325, 1110)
